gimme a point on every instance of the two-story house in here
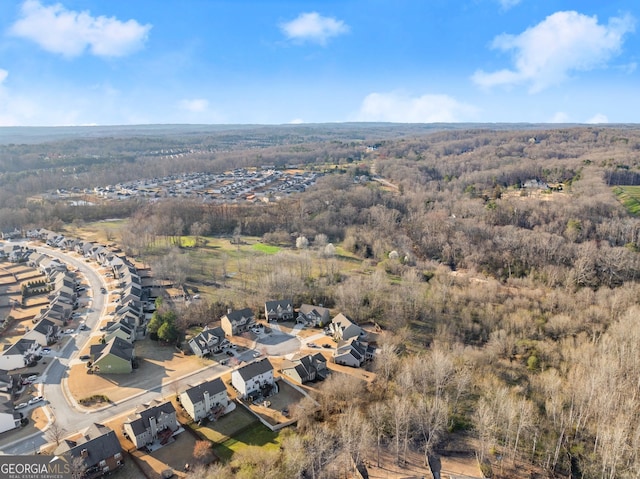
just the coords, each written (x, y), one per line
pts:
(237, 322)
(20, 354)
(208, 341)
(45, 332)
(253, 378)
(313, 315)
(151, 423)
(281, 310)
(9, 418)
(204, 399)
(342, 328)
(353, 352)
(98, 448)
(113, 357)
(307, 368)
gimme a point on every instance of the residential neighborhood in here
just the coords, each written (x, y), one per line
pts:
(254, 383)
(239, 185)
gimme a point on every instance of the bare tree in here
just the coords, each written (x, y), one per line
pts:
(55, 433)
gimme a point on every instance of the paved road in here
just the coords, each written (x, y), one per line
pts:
(67, 415)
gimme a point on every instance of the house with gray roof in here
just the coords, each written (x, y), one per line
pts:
(255, 378)
(308, 368)
(313, 315)
(45, 332)
(280, 310)
(237, 322)
(208, 341)
(151, 423)
(98, 449)
(20, 354)
(204, 399)
(114, 357)
(353, 352)
(342, 328)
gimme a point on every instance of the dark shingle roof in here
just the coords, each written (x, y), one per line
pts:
(196, 393)
(251, 370)
(116, 346)
(141, 424)
(99, 441)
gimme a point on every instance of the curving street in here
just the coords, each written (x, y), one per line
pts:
(60, 406)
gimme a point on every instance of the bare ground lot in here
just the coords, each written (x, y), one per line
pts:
(286, 398)
(157, 365)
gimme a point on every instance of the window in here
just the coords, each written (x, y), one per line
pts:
(103, 463)
(118, 455)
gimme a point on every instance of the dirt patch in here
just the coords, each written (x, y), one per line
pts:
(172, 456)
(271, 410)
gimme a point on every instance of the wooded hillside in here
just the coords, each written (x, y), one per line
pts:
(501, 263)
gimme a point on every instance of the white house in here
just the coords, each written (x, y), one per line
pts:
(9, 418)
(253, 377)
(19, 355)
(205, 398)
(44, 332)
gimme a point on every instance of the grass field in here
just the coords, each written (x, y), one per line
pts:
(629, 196)
(258, 435)
(265, 248)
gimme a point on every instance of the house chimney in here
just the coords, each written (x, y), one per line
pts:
(84, 453)
(228, 310)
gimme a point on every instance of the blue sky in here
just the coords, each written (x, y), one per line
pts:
(82, 62)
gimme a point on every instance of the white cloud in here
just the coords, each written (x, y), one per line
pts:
(559, 117)
(598, 118)
(507, 4)
(296, 121)
(3, 75)
(313, 27)
(70, 33)
(548, 52)
(196, 105)
(400, 108)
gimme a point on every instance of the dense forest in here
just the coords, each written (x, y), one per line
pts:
(499, 261)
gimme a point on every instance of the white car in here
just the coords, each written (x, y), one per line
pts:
(69, 331)
(32, 378)
(36, 399)
(257, 354)
(21, 405)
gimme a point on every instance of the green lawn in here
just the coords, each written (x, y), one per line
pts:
(258, 435)
(265, 248)
(629, 196)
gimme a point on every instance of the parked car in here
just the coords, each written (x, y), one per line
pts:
(230, 353)
(85, 357)
(46, 350)
(69, 331)
(32, 378)
(36, 399)
(257, 354)
(21, 405)
(312, 345)
(103, 290)
(327, 345)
